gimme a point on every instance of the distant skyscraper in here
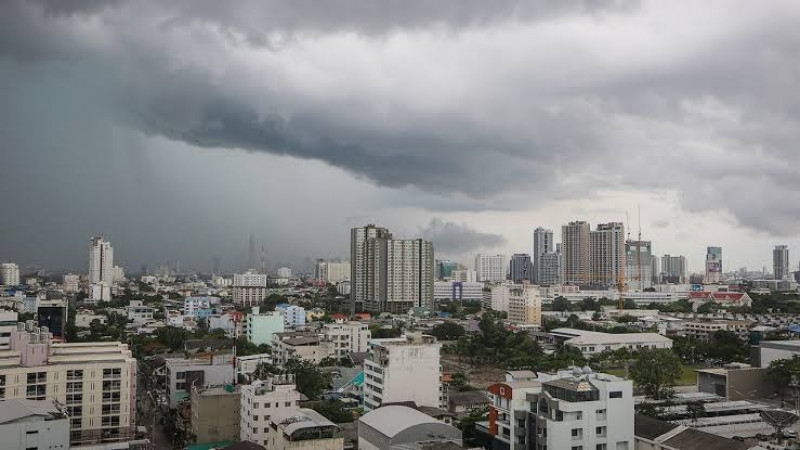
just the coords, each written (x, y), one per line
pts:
(607, 250)
(101, 261)
(673, 269)
(364, 279)
(521, 269)
(9, 274)
(638, 254)
(542, 244)
(575, 252)
(780, 262)
(713, 265)
(549, 270)
(491, 268)
(215, 264)
(445, 267)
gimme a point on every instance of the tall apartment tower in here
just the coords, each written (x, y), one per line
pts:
(542, 244)
(673, 269)
(575, 252)
(607, 250)
(713, 265)
(780, 262)
(101, 261)
(521, 267)
(362, 258)
(491, 268)
(638, 264)
(9, 274)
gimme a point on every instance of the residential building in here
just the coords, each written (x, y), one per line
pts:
(199, 307)
(346, 338)
(95, 380)
(85, 317)
(101, 261)
(638, 265)
(403, 369)
(33, 424)
(464, 275)
(542, 245)
(500, 296)
(397, 427)
(458, 291)
(264, 403)
(259, 327)
(117, 274)
(607, 254)
(524, 304)
(8, 323)
(99, 292)
(593, 342)
(409, 276)
(182, 374)
(138, 313)
(230, 323)
(521, 268)
(365, 277)
(332, 271)
(780, 262)
(574, 409)
(713, 265)
(249, 288)
(306, 429)
(702, 330)
(301, 345)
(673, 269)
(215, 414)
(9, 274)
(491, 268)
(548, 270)
(293, 315)
(245, 365)
(53, 315)
(71, 283)
(284, 272)
(575, 252)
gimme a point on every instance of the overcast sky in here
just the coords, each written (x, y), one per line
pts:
(179, 128)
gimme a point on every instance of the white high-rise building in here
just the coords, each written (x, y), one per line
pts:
(780, 262)
(491, 268)
(542, 244)
(284, 272)
(607, 253)
(401, 370)
(332, 271)
(9, 274)
(101, 261)
(265, 402)
(575, 252)
(249, 288)
(71, 283)
(524, 304)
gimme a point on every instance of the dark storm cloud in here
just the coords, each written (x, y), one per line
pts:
(450, 238)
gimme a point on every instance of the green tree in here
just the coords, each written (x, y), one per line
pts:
(650, 410)
(173, 337)
(448, 331)
(655, 371)
(333, 410)
(630, 304)
(310, 381)
(590, 304)
(561, 304)
(783, 371)
(467, 425)
(727, 347)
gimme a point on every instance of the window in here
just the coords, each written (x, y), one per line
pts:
(255, 417)
(255, 405)
(577, 447)
(615, 394)
(601, 447)
(576, 432)
(32, 432)
(180, 375)
(288, 404)
(74, 374)
(601, 431)
(600, 412)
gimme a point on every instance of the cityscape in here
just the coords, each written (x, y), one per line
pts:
(271, 225)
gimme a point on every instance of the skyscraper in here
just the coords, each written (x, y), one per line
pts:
(607, 253)
(713, 265)
(638, 264)
(575, 252)
(780, 262)
(542, 244)
(101, 261)
(673, 269)
(521, 269)
(9, 274)
(363, 276)
(491, 268)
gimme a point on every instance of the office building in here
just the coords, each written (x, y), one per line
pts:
(332, 271)
(491, 268)
(444, 268)
(182, 375)
(673, 269)
(96, 381)
(346, 338)
(520, 268)
(575, 252)
(780, 262)
(71, 283)
(364, 276)
(571, 409)
(638, 265)
(293, 315)
(524, 304)
(713, 265)
(459, 291)
(33, 424)
(607, 254)
(548, 271)
(101, 261)
(542, 244)
(404, 369)
(259, 327)
(53, 315)
(9, 274)
(249, 288)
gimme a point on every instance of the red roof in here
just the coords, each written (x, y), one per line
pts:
(338, 316)
(734, 296)
(699, 294)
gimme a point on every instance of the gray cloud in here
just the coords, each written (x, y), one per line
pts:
(450, 238)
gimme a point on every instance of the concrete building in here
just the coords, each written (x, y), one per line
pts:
(249, 288)
(443, 268)
(575, 252)
(183, 374)
(575, 409)
(403, 369)
(101, 261)
(85, 317)
(769, 351)
(259, 328)
(607, 254)
(458, 291)
(246, 365)
(542, 244)
(264, 403)
(364, 275)
(524, 304)
(491, 268)
(702, 330)
(521, 268)
(215, 414)
(332, 271)
(9, 274)
(293, 315)
(284, 272)
(500, 296)
(199, 307)
(71, 284)
(53, 315)
(300, 345)
(654, 434)
(33, 424)
(346, 338)
(95, 380)
(464, 275)
(592, 342)
(548, 270)
(673, 269)
(8, 323)
(138, 313)
(735, 382)
(638, 265)
(713, 265)
(780, 262)
(396, 427)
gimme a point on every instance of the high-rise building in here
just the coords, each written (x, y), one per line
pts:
(444, 268)
(332, 271)
(363, 276)
(53, 315)
(713, 265)
(524, 304)
(607, 254)
(542, 244)
(521, 268)
(9, 274)
(71, 283)
(101, 261)
(780, 262)
(575, 252)
(673, 269)
(491, 268)
(249, 288)
(284, 272)
(638, 264)
(549, 269)
(655, 263)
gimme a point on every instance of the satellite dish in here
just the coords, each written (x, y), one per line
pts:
(779, 420)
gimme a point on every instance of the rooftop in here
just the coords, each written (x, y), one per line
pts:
(15, 409)
(391, 420)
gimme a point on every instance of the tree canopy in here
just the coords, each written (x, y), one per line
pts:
(656, 371)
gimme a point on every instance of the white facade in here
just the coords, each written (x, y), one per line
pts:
(139, 313)
(607, 253)
(501, 293)
(347, 337)
(403, 369)
(524, 304)
(182, 373)
(293, 315)
(9, 274)
(85, 317)
(33, 424)
(249, 288)
(264, 403)
(491, 268)
(8, 323)
(246, 365)
(458, 291)
(592, 342)
(332, 271)
(259, 328)
(300, 345)
(284, 272)
(101, 261)
(71, 283)
(466, 275)
(100, 292)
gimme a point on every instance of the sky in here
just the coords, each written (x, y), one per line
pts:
(178, 129)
